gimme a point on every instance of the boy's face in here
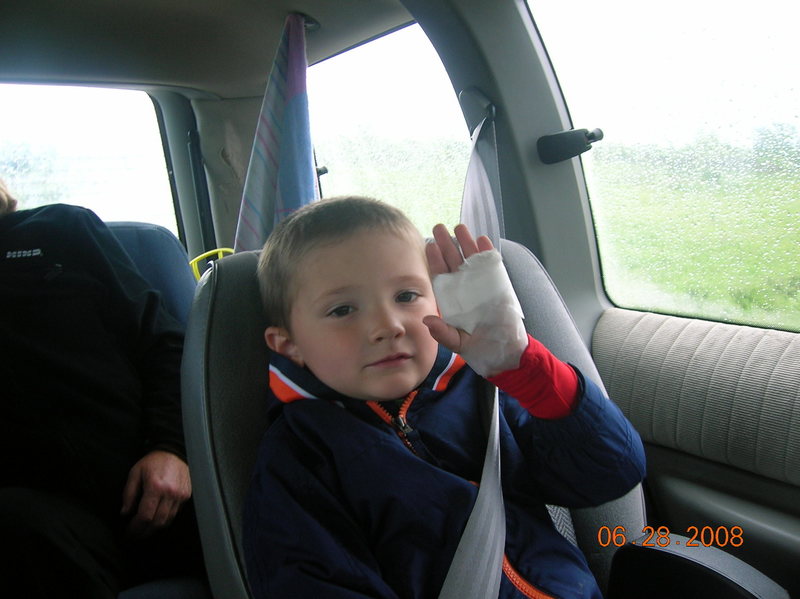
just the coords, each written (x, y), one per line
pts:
(356, 322)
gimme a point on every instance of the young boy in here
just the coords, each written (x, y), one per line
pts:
(366, 478)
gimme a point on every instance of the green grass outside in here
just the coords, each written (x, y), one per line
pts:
(709, 231)
(424, 178)
(717, 239)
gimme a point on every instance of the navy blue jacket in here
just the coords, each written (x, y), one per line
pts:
(341, 506)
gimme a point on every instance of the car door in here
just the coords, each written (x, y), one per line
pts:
(694, 198)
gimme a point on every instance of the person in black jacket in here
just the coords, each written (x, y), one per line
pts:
(92, 464)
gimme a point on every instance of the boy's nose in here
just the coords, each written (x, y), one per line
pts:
(386, 325)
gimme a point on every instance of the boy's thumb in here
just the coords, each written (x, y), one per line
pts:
(443, 333)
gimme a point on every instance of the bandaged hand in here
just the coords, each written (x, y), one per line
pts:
(480, 316)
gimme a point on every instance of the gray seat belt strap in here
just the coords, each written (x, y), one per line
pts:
(481, 204)
(478, 562)
(477, 565)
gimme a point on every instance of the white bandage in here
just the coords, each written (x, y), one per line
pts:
(480, 300)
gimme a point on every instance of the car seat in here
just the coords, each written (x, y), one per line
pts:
(163, 262)
(225, 382)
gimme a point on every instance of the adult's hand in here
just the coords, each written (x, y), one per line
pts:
(157, 486)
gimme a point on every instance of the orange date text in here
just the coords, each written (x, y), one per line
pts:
(650, 536)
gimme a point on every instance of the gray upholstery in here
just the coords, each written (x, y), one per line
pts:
(161, 260)
(547, 319)
(721, 392)
(225, 381)
(678, 570)
(716, 405)
(224, 390)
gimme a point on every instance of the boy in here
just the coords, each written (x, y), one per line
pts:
(363, 483)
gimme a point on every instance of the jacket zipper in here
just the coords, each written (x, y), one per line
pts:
(399, 423)
(522, 585)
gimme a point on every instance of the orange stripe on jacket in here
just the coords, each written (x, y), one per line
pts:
(456, 364)
(284, 389)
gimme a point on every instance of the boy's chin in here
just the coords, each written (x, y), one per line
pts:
(388, 392)
(385, 387)
(388, 396)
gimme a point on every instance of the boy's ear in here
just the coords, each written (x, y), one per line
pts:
(278, 340)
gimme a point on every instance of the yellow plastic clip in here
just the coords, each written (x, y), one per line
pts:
(216, 254)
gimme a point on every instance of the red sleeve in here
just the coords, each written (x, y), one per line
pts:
(544, 385)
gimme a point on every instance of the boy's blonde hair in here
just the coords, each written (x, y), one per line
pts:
(310, 227)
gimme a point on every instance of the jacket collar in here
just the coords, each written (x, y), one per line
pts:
(289, 382)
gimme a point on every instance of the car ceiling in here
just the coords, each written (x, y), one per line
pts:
(219, 47)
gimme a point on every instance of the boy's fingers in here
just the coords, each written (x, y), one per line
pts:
(465, 240)
(449, 250)
(445, 256)
(470, 246)
(484, 244)
(443, 333)
(436, 261)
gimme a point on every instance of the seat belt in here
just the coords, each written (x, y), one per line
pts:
(477, 565)
(476, 569)
(481, 203)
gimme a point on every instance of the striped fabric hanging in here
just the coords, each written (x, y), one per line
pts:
(281, 176)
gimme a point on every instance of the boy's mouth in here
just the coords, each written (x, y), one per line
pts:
(391, 360)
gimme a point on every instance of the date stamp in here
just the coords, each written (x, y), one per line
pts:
(650, 536)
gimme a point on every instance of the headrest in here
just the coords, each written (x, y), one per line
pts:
(162, 261)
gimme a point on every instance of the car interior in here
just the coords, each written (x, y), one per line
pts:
(715, 397)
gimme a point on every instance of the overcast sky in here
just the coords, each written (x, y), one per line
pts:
(641, 71)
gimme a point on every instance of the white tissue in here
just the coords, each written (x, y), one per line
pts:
(479, 299)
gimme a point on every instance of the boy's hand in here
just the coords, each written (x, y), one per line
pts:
(496, 337)
(444, 257)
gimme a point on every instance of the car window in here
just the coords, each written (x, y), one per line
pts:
(92, 147)
(695, 190)
(386, 123)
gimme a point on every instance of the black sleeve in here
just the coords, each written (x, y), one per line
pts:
(153, 338)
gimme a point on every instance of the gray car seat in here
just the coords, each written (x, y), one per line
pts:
(225, 380)
(163, 262)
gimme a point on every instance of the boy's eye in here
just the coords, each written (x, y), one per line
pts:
(406, 296)
(340, 311)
